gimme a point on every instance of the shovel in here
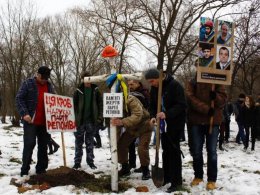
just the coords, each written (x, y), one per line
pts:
(157, 172)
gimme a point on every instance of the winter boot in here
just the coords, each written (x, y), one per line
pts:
(124, 171)
(139, 170)
(196, 181)
(211, 185)
(146, 173)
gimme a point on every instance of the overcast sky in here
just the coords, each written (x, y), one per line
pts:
(52, 7)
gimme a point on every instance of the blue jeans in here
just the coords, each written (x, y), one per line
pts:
(199, 133)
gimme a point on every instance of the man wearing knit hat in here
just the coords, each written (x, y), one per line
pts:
(173, 112)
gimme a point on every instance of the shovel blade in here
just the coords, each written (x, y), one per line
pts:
(157, 176)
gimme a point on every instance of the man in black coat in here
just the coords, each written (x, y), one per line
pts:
(173, 112)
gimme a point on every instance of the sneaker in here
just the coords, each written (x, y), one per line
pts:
(211, 185)
(196, 181)
(76, 166)
(92, 166)
(139, 170)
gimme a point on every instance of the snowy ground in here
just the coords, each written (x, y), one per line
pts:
(239, 171)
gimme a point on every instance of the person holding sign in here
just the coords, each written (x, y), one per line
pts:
(173, 112)
(199, 97)
(30, 105)
(88, 106)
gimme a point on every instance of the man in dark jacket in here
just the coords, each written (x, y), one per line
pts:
(30, 105)
(199, 97)
(173, 111)
(88, 106)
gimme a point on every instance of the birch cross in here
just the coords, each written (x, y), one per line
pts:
(110, 53)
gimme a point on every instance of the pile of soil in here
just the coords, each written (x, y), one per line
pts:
(63, 176)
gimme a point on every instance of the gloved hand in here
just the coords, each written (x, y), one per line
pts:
(212, 95)
(100, 127)
(211, 112)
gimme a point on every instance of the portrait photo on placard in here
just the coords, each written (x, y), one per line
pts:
(207, 30)
(206, 54)
(223, 58)
(224, 32)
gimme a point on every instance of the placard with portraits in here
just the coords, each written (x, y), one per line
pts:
(215, 51)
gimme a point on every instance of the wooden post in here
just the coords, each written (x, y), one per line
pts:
(63, 149)
(212, 106)
(113, 140)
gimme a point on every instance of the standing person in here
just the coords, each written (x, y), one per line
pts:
(199, 97)
(249, 114)
(173, 112)
(30, 105)
(88, 107)
(257, 116)
(225, 125)
(239, 115)
(136, 122)
(136, 89)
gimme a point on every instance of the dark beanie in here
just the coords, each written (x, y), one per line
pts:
(152, 73)
(241, 95)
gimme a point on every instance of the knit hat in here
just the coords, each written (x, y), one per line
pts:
(45, 72)
(152, 73)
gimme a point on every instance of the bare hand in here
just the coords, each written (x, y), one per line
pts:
(117, 122)
(27, 118)
(161, 115)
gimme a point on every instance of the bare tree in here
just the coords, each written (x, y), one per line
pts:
(16, 23)
(247, 49)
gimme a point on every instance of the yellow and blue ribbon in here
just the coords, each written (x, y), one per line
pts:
(120, 86)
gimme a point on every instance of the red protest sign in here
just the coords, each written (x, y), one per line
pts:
(59, 111)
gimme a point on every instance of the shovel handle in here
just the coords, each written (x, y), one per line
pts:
(158, 120)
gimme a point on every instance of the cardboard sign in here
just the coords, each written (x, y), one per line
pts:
(59, 111)
(215, 51)
(113, 105)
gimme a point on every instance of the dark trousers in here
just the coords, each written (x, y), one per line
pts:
(171, 156)
(132, 154)
(253, 136)
(241, 133)
(84, 134)
(227, 129)
(31, 134)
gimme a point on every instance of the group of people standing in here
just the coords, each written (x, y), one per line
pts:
(179, 105)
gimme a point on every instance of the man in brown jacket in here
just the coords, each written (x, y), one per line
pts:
(199, 97)
(137, 124)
